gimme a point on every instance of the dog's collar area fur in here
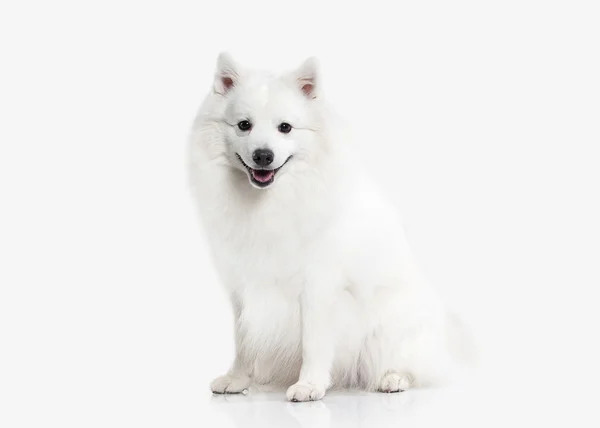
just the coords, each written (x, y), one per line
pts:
(262, 177)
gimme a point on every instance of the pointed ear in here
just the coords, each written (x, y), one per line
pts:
(307, 77)
(227, 74)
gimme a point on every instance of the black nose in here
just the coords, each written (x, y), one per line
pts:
(263, 157)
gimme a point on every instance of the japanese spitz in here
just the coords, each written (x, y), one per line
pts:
(322, 283)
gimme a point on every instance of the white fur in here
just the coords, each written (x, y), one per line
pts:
(323, 286)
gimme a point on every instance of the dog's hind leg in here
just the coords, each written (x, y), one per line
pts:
(395, 382)
(393, 361)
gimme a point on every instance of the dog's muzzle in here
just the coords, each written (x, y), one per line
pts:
(262, 177)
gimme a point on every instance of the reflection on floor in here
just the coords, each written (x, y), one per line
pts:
(348, 409)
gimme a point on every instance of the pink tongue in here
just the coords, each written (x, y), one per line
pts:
(262, 176)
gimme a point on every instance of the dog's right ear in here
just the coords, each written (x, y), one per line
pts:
(307, 77)
(227, 74)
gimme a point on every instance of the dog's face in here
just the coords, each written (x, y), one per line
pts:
(269, 122)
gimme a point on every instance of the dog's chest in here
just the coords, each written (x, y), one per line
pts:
(269, 314)
(264, 244)
(266, 262)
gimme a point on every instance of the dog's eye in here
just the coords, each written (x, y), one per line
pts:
(284, 127)
(244, 125)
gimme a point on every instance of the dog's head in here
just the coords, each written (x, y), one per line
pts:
(269, 122)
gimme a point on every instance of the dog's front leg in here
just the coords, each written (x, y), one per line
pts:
(235, 381)
(316, 303)
(239, 376)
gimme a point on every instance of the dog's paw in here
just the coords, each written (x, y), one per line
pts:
(395, 382)
(305, 391)
(230, 384)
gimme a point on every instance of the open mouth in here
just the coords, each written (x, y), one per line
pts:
(262, 177)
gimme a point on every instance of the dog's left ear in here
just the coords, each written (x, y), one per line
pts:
(307, 77)
(227, 74)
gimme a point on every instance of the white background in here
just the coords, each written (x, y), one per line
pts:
(483, 123)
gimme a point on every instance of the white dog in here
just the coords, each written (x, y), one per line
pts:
(324, 289)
